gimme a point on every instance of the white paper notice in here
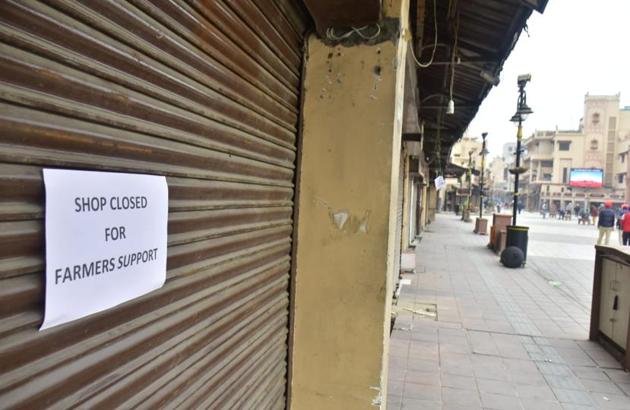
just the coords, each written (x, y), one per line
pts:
(105, 240)
(439, 182)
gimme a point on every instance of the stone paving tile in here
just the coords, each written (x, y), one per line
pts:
(413, 404)
(496, 387)
(609, 401)
(459, 382)
(460, 397)
(394, 402)
(604, 387)
(535, 404)
(532, 392)
(568, 396)
(500, 402)
(503, 338)
(423, 378)
(422, 392)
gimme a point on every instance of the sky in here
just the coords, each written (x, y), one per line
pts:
(575, 47)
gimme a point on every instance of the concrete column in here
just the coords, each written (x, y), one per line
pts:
(426, 205)
(346, 223)
(407, 196)
(431, 202)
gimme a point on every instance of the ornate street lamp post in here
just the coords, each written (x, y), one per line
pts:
(481, 225)
(470, 168)
(522, 111)
(483, 165)
(515, 252)
(466, 209)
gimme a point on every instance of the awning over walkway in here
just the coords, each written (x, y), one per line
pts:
(477, 36)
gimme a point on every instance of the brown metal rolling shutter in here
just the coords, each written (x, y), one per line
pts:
(204, 92)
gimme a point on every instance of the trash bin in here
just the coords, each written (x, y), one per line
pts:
(517, 236)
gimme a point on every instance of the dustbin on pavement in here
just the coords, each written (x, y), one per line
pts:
(517, 236)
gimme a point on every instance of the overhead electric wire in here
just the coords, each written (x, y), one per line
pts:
(435, 41)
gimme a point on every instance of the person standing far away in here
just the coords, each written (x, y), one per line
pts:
(622, 211)
(567, 211)
(624, 224)
(606, 223)
(594, 214)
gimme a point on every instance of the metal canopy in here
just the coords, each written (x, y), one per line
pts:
(487, 31)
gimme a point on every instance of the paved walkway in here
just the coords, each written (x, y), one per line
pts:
(503, 338)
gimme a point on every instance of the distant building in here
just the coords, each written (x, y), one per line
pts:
(508, 154)
(461, 149)
(498, 175)
(466, 150)
(602, 142)
(500, 180)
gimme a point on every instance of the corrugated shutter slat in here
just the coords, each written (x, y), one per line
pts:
(205, 93)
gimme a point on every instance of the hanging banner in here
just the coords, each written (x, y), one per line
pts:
(105, 241)
(439, 182)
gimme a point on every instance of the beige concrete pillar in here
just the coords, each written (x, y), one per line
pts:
(407, 197)
(346, 224)
(431, 202)
(427, 201)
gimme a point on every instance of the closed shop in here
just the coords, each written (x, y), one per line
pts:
(205, 93)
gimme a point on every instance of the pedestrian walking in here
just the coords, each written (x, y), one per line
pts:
(594, 214)
(620, 213)
(624, 225)
(567, 211)
(544, 210)
(606, 223)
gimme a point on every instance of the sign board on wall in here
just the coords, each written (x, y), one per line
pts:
(586, 177)
(105, 241)
(439, 182)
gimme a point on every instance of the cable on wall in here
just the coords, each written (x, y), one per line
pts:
(435, 41)
(360, 31)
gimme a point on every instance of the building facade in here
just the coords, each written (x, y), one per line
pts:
(501, 181)
(465, 154)
(601, 142)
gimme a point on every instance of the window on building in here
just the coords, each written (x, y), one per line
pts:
(565, 175)
(546, 177)
(546, 164)
(595, 118)
(622, 157)
(612, 123)
(620, 178)
(564, 145)
(594, 145)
